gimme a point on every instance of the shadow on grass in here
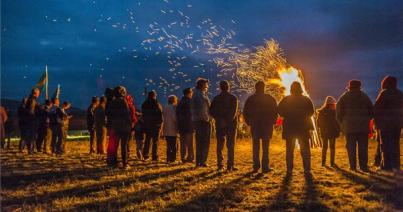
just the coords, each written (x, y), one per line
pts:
(281, 201)
(159, 191)
(83, 191)
(311, 201)
(222, 197)
(389, 192)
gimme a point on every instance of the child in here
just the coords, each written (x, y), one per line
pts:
(170, 130)
(329, 129)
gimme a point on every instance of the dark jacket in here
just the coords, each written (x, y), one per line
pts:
(31, 111)
(99, 117)
(152, 114)
(223, 109)
(389, 109)
(90, 117)
(296, 111)
(184, 116)
(119, 116)
(62, 118)
(260, 111)
(44, 116)
(327, 124)
(354, 111)
(139, 129)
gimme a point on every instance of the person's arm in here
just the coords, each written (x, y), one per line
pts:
(370, 107)
(340, 110)
(213, 108)
(234, 108)
(246, 111)
(310, 108)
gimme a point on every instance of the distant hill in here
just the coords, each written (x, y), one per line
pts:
(78, 122)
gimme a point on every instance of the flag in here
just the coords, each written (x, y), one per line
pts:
(56, 94)
(42, 81)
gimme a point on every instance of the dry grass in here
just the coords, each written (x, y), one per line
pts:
(79, 181)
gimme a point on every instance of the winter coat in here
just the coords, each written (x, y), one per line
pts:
(184, 116)
(120, 117)
(170, 125)
(62, 118)
(152, 114)
(99, 117)
(354, 111)
(200, 106)
(223, 109)
(389, 109)
(327, 124)
(31, 111)
(44, 116)
(297, 111)
(90, 117)
(260, 111)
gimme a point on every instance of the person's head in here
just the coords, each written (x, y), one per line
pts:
(389, 82)
(296, 88)
(330, 102)
(354, 85)
(120, 91)
(224, 85)
(188, 92)
(66, 105)
(152, 95)
(259, 87)
(48, 103)
(172, 100)
(35, 92)
(202, 84)
(102, 100)
(109, 94)
(56, 101)
(94, 100)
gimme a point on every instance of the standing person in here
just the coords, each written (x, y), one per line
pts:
(329, 128)
(260, 113)
(139, 137)
(170, 129)
(44, 132)
(112, 146)
(121, 123)
(22, 125)
(31, 112)
(223, 109)
(185, 126)
(354, 110)
(297, 110)
(130, 102)
(200, 106)
(3, 119)
(90, 122)
(8, 128)
(152, 117)
(100, 125)
(62, 127)
(389, 119)
(53, 124)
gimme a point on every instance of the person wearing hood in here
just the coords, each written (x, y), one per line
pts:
(297, 111)
(328, 128)
(354, 111)
(389, 119)
(121, 124)
(152, 117)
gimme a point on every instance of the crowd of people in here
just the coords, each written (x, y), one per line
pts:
(113, 121)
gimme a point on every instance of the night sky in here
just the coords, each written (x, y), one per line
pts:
(89, 45)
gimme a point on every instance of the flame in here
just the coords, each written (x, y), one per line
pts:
(287, 77)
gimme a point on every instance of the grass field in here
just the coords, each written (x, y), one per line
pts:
(78, 181)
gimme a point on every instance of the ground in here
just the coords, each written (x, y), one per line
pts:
(79, 181)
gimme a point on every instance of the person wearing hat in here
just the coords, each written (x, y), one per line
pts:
(328, 128)
(185, 126)
(260, 113)
(90, 122)
(152, 117)
(354, 111)
(389, 119)
(297, 111)
(200, 105)
(31, 113)
(223, 109)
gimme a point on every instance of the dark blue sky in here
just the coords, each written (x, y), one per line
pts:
(89, 45)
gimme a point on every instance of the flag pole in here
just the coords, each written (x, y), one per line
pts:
(46, 84)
